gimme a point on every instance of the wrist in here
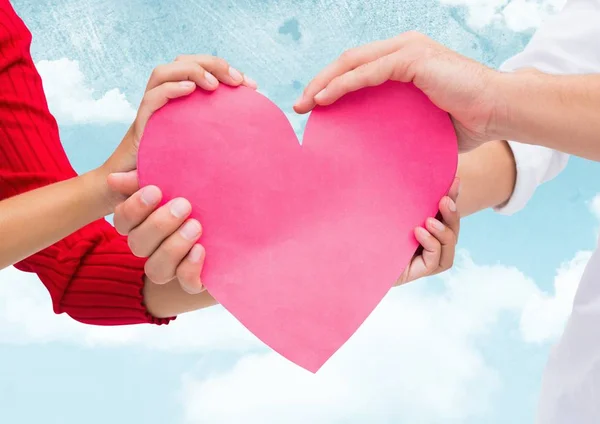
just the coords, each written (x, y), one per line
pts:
(500, 84)
(517, 94)
(104, 198)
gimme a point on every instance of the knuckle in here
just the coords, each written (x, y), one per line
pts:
(453, 240)
(155, 272)
(120, 220)
(133, 241)
(146, 100)
(428, 52)
(158, 72)
(308, 90)
(339, 84)
(216, 64)
(220, 63)
(349, 56)
(181, 58)
(187, 274)
(162, 224)
(413, 35)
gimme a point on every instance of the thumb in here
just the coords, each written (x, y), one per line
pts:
(125, 183)
(158, 97)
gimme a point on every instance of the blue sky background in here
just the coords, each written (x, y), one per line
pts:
(488, 373)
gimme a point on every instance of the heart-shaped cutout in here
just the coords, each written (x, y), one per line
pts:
(304, 241)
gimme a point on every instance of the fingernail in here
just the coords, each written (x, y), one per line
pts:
(422, 231)
(250, 81)
(195, 254)
(451, 205)
(187, 84)
(436, 224)
(210, 79)
(180, 208)
(320, 94)
(235, 74)
(190, 230)
(150, 195)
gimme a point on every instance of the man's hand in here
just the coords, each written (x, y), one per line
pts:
(164, 235)
(456, 84)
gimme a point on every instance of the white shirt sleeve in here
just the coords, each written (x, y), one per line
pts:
(566, 43)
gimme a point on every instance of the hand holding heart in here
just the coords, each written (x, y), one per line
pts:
(464, 88)
(278, 231)
(166, 235)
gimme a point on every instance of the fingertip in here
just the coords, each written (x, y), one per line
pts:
(249, 82)
(125, 183)
(434, 225)
(321, 95)
(187, 85)
(113, 179)
(197, 254)
(447, 205)
(451, 205)
(211, 81)
(421, 234)
(325, 99)
(190, 269)
(303, 106)
(235, 76)
(150, 195)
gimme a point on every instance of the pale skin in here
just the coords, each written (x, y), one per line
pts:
(35, 220)
(481, 103)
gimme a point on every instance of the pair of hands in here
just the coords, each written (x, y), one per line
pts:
(165, 235)
(460, 86)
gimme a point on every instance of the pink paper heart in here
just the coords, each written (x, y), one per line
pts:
(304, 241)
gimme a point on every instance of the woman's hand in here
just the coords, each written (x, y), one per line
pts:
(438, 241)
(164, 235)
(177, 79)
(455, 83)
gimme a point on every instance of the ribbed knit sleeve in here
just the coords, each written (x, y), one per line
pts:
(92, 274)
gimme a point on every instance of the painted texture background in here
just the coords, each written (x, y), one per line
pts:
(466, 347)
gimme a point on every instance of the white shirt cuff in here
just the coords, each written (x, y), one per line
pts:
(535, 165)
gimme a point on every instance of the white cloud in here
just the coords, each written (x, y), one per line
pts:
(414, 360)
(594, 206)
(72, 101)
(26, 317)
(544, 315)
(517, 15)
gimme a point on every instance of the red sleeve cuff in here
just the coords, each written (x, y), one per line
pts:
(93, 277)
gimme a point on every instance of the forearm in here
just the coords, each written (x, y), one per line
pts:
(561, 112)
(487, 177)
(32, 221)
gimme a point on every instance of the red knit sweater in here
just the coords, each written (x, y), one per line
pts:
(91, 275)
